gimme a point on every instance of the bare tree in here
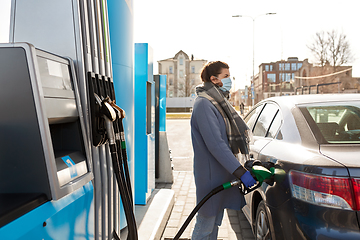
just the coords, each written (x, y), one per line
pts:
(339, 49)
(331, 47)
(320, 48)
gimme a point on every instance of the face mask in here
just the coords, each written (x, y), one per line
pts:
(227, 83)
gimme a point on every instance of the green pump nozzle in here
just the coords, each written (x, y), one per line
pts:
(265, 171)
(261, 173)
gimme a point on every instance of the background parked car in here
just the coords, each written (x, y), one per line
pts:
(315, 139)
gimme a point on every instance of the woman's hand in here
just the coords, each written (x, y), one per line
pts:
(247, 179)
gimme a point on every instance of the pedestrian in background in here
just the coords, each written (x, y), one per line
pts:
(242, 108)
(218, 133)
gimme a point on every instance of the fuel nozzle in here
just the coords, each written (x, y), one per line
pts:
(268, 172)
(109, 115)
(107, 110)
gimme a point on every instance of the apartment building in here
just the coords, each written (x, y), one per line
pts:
(276, 78)
(183, 74)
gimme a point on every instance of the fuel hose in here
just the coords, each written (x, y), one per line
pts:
(120, 137)
(199, 205)
(128, 208)
(120, 178)
(260, 173)
(122, 145)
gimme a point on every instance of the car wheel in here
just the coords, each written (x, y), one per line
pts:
(262, 226)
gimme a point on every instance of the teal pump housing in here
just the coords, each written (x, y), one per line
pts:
(145, 123)
(98, 36)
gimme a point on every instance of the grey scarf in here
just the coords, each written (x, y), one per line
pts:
(236, 128)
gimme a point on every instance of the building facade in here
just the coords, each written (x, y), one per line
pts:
(312, 79)
(291, 76)
(183, 74)
(276, 78)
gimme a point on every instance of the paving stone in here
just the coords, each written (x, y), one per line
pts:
(234, 219)
(247, 233)
(173, 223)
(245, 224)
(233, 227)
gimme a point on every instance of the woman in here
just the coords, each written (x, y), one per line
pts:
(218, 133)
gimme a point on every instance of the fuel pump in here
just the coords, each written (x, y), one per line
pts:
(45, 163)
(107, 127)
(80, 30)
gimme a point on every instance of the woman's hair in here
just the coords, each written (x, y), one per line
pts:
(212, 69)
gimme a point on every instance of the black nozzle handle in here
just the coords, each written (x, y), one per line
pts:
(244, 190)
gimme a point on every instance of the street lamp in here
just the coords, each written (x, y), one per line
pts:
(253, 18)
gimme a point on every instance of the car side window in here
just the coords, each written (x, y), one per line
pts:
(275, 125)
(265, 119)
(252, 116)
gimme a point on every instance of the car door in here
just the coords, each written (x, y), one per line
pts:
(264, 121)
(262, 134)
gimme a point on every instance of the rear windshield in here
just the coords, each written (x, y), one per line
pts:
(337, 122)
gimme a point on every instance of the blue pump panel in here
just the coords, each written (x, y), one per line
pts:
(145, 123)
(46, 190)
(121, 38)
(162, 103)
(71, 217)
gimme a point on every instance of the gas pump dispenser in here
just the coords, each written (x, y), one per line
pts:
(80, 30)
(45, 167)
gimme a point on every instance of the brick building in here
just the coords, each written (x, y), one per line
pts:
(276, 78)
(312, 79)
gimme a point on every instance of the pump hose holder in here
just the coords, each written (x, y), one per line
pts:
(97, 121)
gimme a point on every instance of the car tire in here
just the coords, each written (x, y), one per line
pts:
(262, 224)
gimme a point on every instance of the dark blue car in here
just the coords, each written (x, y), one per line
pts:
(315, 139)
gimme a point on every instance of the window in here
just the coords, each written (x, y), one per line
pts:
(294, 66)
(171, 81)
(337, 122)
(299, 65)
(171, 70)
(275, 125)
(271, 77)
(271, 67)
(265, 119)
(148, 108)
(181, 61)
(181, 73)
(266, 67)
(192, 81)
(251, 117)
(171, 93)
(287, 66)
(282, 77)
(281, 66)
(285, 77)
(192, 69)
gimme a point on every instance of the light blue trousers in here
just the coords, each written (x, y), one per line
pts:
(206, 228)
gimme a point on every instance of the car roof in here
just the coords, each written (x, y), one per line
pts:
(293, 100)
(289, 104)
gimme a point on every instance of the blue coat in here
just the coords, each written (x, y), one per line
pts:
(214, 162)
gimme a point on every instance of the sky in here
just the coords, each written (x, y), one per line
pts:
(206, 29)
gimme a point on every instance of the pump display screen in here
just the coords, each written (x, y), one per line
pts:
(54, 74)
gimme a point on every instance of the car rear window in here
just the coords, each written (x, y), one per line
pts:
(337, 122)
